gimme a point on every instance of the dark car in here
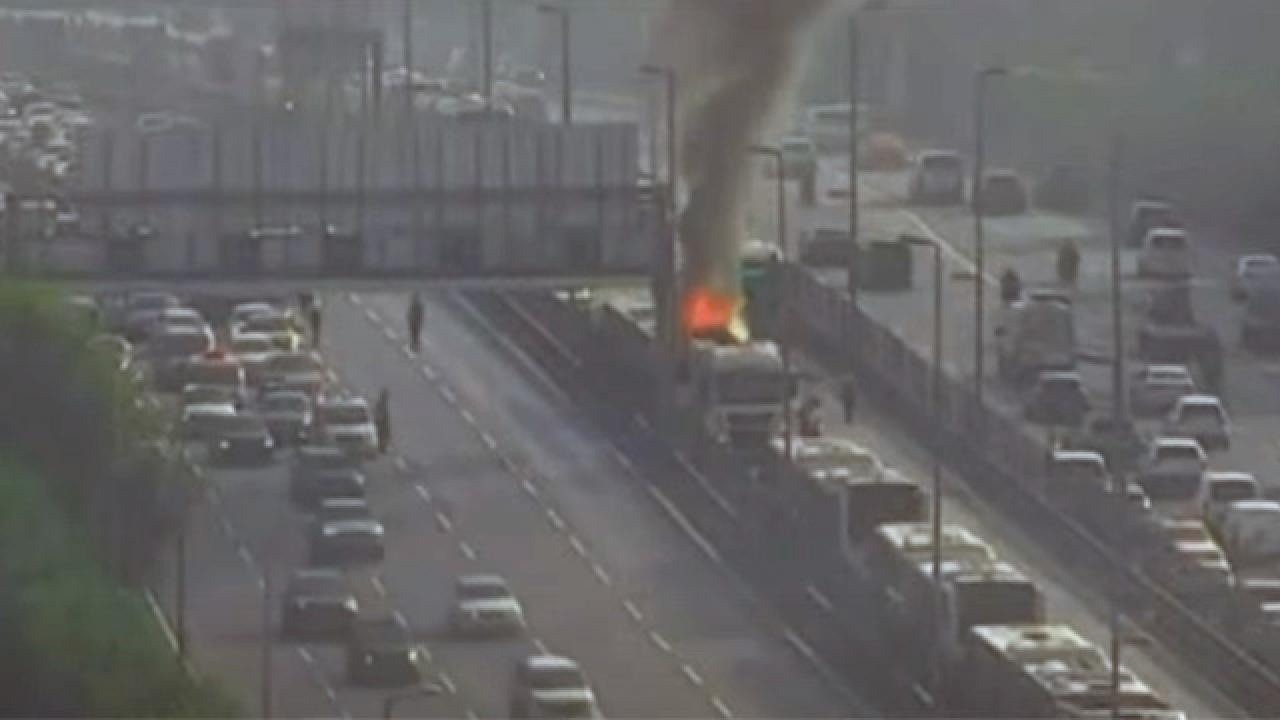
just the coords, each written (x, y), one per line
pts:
(288, 415)
(382, 653)
(319, 603)
(244, 440)
(310, 489)
(334, 509)
(827, 247)
(1147, 215)
(1058, 398)
(937, 179)
(313, 458)
(347, 542)
(1003, 194)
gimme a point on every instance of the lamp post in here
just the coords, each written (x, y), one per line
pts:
(781, 329)
(566, 78)
(665, 273)
(935, 401)
(486, 41)
(265, 639)
(979, 154)
(1119, 408)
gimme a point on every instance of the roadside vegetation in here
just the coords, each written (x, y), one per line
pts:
(90, 497)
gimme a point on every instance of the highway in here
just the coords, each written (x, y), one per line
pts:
(492, 471)
(1028, 244)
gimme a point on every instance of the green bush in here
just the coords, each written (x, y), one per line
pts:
(89, 494)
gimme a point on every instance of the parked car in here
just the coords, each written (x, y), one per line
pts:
(1156, 388)
(1253, 270)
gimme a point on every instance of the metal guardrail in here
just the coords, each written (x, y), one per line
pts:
(1005, 462)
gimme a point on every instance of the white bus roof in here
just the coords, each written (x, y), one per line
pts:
(1041, 643)
(957, 541)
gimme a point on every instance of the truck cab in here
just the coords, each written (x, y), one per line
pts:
(739, 391)
(1036, 335)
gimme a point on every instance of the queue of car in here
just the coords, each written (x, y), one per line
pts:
(248, 400)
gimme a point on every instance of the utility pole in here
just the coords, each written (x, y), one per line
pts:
(855, 90)
(1119, 408)
(180, 599)
(979, 238)
(486, 41)
(266, 643)
(566, 79)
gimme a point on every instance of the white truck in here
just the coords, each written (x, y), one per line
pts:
(1036, 334)
(739, 392)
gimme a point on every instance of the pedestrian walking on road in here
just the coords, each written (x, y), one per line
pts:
(414, 320)
(1068, 263)
(848, 399)
(382, 420)
(313, 316)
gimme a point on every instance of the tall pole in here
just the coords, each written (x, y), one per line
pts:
(266, 644)
(935, 401)
(180, 599)
(855, 70)
(979, 239)
(566, 65)
(784, 345)
(486, 42)
(667, 272)
(1119, 408)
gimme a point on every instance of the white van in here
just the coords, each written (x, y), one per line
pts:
(1165, 253)
(1250, 531)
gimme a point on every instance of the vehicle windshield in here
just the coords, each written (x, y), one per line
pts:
(294, 364)
(180, 344)
(267, 323)
(342, 415)
(215, 374)
(1168, 242)
(252, 346)
(1171, 488)
(797, 148)
(1201, 414)
(1078, 471)
(483, 591)
(555, 677)
(1232, 490)
(750, 386)
(1177, 454)
(285, 403)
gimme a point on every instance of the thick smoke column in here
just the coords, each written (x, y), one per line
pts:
(735, 60)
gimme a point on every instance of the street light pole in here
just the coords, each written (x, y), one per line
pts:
(1119, 407)
(781, 333)
(266, 644)
(566, 78)
(667, 272)
(935, 402)
(486, 41)
(855, 91)
(979, 309)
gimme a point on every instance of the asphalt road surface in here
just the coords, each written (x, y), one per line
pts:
(491, 471)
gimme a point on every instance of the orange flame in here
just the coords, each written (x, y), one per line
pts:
(714, 315)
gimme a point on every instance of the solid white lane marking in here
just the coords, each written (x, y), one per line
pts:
(423, 493)
(601, 575)
(529, 487)
(577, 545)
(448, 395)
(685, 525)
(816, 595)
(447, 682)
(692, 674)
(444, 521)
(488, 440)
(706, 485)
(429, 373)
(633, 611)
(660, 641)
(467, 550)
(799, 644)
(720, 707)
(378, 587)
(555, 519)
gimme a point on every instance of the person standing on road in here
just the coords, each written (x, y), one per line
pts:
(414, 319)
(314, 318)
(848, 399)
(382, 420)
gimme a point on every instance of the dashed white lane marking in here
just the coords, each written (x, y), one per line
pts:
(444, 521)
(373, 316)
(720, 707)
(423, 493)
(468, 417)
(448, 394)
(816, 595)
(692, 674)
(447, 682)
(508, 463)
(706, 485)
(633, 611)
(471, 715)
(306, 656)
(408, 351)
(468, 551)
(624, 461)
(355, 298)
(685, 525)
(799, 644)
(529, 488)
(378, 587)
(330, 693)
(198, 471)
(333, 376)
(642, 421)
(429, 373)
(555, 519)
(401, 463)
(601, 575)
(245, 555)
(541, 646)
(399, 619)
(660, 641)
(576, 544)
(227, 528)
(488, 440)
(388, 333)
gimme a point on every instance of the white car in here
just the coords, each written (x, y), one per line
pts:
(1171, 475)
(551, 686)
(1250, 531)
(177, 317)
(484, 604)
(1165, 253)
(1069, 470)
(295, 370)
(1201, 417)
(253, 350)
(347, 423)
(1219, 489)
(1156, 388)
(244, 311)
(201, 421)
(1251, 271)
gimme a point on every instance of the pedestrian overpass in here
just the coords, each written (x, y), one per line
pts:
(372, 204)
